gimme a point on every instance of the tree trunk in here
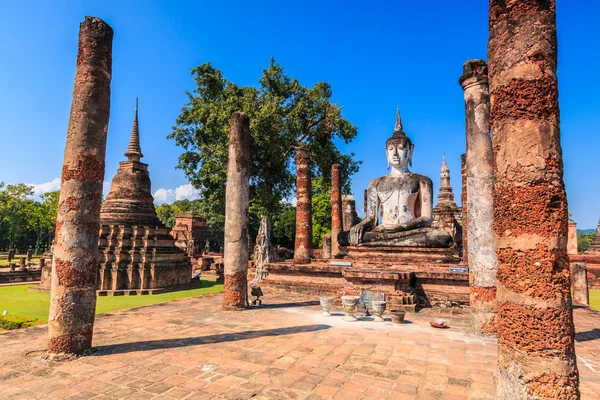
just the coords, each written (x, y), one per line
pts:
(263, 251)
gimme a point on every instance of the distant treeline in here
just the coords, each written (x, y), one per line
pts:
(26, 223)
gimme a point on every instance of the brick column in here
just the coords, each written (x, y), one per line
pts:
(536, 353)
(337, 221)
(463, 200)
(237, 200)
(75, 252)
(303, 244)
(581, 292)
(480, 197)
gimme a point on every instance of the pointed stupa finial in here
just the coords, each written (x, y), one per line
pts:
(134, 151)
(398, 127)
(444, 165)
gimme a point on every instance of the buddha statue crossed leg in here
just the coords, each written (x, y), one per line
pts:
(406, 203)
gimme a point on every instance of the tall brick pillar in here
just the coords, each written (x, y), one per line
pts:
(75, 261)
(463, 200)
(237, 199)
(337, 219)
(536, 353)
(303, 244)
(479, 171)
(581, 292)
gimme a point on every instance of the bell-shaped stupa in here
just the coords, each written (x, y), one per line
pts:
(137, 253)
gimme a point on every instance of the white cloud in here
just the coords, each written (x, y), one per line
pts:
(187, 192)
(293, 201)
(180, 193)
(41, 188)
(164, 196)
(54, 184)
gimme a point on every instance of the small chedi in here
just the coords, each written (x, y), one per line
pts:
(404, 250)
(191, 234)
(137, 253)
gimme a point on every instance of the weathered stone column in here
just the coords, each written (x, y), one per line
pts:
(479, 171)
(536, 353)
(75, 251)
(237, 200)
(326, 251)
(463, 200)
(572, 239)
(337, 219)
(581, 292)
(303, 244)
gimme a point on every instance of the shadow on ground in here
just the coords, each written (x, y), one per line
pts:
(594, 334)
(287, 305)
(196, 341)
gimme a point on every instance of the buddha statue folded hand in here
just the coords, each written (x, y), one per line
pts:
(403, 199)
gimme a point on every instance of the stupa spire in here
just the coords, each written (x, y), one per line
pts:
(398, 127)
(444, 165)
(134, 151)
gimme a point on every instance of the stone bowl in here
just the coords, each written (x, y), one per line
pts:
(397, 316)
(326, 303)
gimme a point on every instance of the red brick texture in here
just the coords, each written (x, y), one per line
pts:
(303, 244)
(463, 199)
(235, 291)
(337, 221)
(535, 321)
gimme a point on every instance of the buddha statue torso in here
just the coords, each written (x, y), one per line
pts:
(399, 205)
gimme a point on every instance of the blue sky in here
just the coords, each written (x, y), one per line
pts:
(375, 56)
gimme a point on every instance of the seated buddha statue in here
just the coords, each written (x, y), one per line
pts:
(403, 199)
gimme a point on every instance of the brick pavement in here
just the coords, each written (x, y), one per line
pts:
(191, 349)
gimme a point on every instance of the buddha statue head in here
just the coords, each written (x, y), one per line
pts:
(399, 148)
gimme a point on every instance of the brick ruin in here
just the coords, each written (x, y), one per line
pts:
(137, 253)
(591, 257)
(191, 234)
(535, 320)
(74, 265)
(410, 277)
(446, 214)
(237, 198)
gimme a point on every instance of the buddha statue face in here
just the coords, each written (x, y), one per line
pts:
(399, 153)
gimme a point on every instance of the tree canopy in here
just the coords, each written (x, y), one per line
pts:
(283, 114)
(26, 223)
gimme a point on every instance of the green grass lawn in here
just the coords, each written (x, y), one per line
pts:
(4, 261)
(595, 299)
(20, 302)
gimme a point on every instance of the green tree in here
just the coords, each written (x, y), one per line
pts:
(283, 115)
(167, 212)
(321, 210)
(284, 226)
(41, 217)
(584, 240)
(13, 209)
